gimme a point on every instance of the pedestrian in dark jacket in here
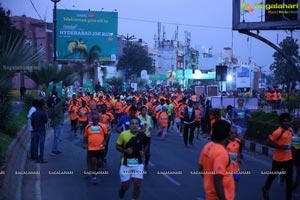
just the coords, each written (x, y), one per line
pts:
(38, 121)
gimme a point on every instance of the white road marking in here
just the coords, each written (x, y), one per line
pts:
(167, 176)
(151, 164)
(38, 194)
(171, 179)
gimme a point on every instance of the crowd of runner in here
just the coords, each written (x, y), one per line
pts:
(135, 116)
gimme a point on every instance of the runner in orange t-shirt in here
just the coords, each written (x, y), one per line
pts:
(214, 165)
(118, 108)
(73, 112)
(198, 114)
(163, 120)
(234, 148)
(82, 113)
(179, 115)
(281, 141)
(95, 139)
(109, 104)
(107, 119)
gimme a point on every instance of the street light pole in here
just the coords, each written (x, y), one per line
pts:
(54, 29)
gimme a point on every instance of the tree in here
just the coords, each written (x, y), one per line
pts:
(80, 69)
(91, 59)
(118, 82)
(48, 74)
(6, 26)
(13, 54)
(134, 60)
(283, 71)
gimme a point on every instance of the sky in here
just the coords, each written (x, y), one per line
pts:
(208, 21)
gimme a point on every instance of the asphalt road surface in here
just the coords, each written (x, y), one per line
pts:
(170, 173)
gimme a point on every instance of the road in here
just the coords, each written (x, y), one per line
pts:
(169, 156)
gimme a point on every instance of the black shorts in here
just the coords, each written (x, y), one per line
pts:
(74, 122)
(296, 157)
(197, 124)
(99, 154)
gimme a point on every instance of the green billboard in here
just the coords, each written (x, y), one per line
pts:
(77, 31)
(189, 74)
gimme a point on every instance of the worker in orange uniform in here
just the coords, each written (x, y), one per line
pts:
(268, 96)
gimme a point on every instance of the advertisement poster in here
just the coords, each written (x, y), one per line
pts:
(243, 77)
(77, 31)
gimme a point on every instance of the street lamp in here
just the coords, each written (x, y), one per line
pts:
(54, 29)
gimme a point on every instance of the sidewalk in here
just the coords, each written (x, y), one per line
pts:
(254, 147)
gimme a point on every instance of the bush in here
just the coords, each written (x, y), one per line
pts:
(5, 140)
(5, 103)
(15, 123)
(260, 126)
(28, 103)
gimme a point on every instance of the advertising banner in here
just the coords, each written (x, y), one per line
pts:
(88, 86)
(262, 83)
(77, 31)
(57, 87)
(243, 77)
(188, 74)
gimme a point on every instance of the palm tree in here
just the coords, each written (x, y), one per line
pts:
(13, 55)
(91, 59)
(80, 69)
(47, 74)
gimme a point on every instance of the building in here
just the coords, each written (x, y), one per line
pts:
(39, 35)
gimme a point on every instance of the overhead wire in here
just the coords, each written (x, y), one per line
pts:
(173, 23)
(35, 10)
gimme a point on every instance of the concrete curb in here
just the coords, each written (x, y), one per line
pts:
(16, 157)
(258, 148)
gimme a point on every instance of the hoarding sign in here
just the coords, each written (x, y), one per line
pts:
(243, 77)
(262, 83)
(77, 31)
(188, 74)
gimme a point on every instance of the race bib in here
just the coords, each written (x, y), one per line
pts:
(131, 162)
(233, 157)
(241, 115)
(164, 118)
(95, 129)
